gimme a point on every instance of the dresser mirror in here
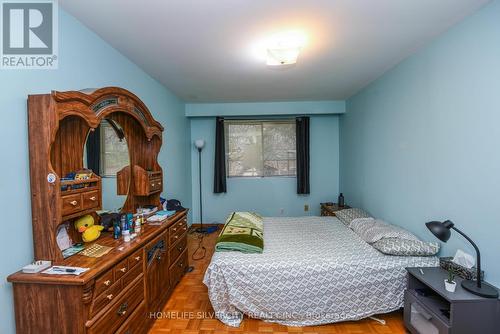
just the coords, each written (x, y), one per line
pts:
(106, 153)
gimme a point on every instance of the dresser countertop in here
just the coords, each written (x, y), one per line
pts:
(121, 250)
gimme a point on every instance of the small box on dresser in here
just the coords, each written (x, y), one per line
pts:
(430, 309)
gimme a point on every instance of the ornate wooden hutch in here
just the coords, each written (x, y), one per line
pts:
(120, 289)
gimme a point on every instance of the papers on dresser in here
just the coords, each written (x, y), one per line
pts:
(65, 270)
(160, 217)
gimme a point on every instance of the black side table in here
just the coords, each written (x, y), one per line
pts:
(430, 309)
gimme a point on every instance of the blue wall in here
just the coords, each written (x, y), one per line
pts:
(423, 142)
(267, 195)
(85, 61)
(265, 108)
(110, 200)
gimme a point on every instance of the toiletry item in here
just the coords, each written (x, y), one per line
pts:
(464, 259)
(124, 226)
(126, 235)
(130, 221)
(137, 227)
(341, 200)
(117, 232)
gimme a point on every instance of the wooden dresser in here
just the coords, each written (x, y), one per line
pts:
(116, 295)
(121, 288)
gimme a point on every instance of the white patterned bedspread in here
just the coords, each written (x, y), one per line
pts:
(314, 270)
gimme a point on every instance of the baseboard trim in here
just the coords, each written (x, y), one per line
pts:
(205, 225)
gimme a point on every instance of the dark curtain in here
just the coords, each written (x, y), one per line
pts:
(302, 142)
(118, 130)
(220, 157)
(94, 151)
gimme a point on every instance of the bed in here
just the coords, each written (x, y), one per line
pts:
(314, 270)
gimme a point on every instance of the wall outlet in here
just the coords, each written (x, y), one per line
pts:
(282, 211)
(306, 207)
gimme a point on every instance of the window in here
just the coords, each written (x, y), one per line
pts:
(260, 148)
(114, 151)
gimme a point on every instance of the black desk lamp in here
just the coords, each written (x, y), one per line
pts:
(442, 231)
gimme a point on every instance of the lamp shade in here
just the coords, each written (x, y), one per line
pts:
(440, 229)
(282, 56)
(199, 143)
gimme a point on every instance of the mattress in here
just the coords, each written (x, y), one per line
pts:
(314, 270)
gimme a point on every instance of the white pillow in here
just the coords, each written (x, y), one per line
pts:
(361, 221)
(373, 230)
(404, 247)
(346, 216)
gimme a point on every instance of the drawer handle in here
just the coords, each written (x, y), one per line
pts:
(184, 228)
(159, 183)
(74, 203)
(137, 258)
(122, 309)
(158, 257)
(181, 265)
(152, 184)
(180, 249)
(124, 269)
(107, 283)
(110, 296)
(93, 198)
(174, 229)
(176, 237)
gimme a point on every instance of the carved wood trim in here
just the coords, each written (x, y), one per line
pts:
(126, 102)
(88, 292)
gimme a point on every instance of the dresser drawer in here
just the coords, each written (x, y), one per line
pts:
(155, 185)
(172, 230)
(90, 200)
(135, 322)
(177, 230)
(71, 204)
(103, 282)
(121, 269)
(178, 248)
(135, 258)
(105, 298)
(419, 319)
(177, 269)
(131, 275)
(177, 226)
(120, 310)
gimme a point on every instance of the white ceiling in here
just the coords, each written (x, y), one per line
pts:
(201, 49)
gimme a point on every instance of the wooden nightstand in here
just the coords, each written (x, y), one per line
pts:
(329, 209)
(430, 309)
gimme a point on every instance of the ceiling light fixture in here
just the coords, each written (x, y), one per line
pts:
(284, 48)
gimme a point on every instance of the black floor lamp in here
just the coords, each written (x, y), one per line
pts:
(478, 287)
(199, 144)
